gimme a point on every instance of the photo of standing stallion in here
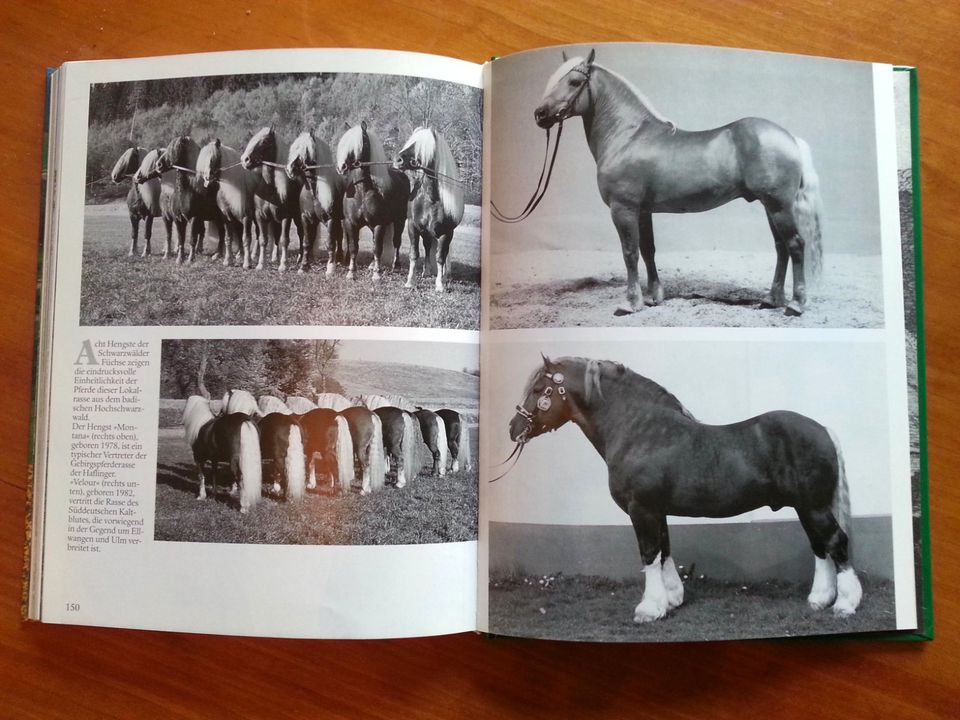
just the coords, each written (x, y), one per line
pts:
(646, 165)
(661, 461)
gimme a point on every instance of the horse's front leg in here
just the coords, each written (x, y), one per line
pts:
(654, 294)
(379, 235)
(247, 239)
(202, 490)
(308, 239)
(671, 578)
(285, 232)
(147, 234)
(625, 220)
(646, 525)
(181, 238)
(397, 242)
(443, 249)
(353, 247)
(134, 231)
(334, 244)
(414, 259)
(168, 227)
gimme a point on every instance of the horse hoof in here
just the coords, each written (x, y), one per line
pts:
(623, 310)
(648, 612)
(793, 309)
(376, 276)
(350, 275)
(843, 608)
(329, 271)
(650, 301)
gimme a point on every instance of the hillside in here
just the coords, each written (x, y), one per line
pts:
(427, 386)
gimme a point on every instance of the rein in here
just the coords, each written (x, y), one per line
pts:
(542, 183)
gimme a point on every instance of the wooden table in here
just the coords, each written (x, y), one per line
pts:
(81, 672)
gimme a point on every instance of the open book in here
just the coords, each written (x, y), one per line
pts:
(271, 279)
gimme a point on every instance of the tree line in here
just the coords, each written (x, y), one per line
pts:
(150, 113)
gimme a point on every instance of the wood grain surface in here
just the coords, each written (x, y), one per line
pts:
(72, 672)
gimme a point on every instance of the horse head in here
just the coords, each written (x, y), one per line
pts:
(547, 403)
(303, 152)
(564, 97)
(262, 146)
(353, 149)
(209, 162)
(418, 152)
(126, 164)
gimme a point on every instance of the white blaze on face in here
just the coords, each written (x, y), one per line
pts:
(560, 73)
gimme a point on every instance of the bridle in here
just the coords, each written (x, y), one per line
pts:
(544, 403)
(547, 172)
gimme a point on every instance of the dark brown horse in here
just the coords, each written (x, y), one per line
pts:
(328, 447)
(366, 431)
(436, 202)
(434, 433)
(400, 439)
(281, 443)
(458, 439)
(662, 462)
(646, 165)
(375, 195)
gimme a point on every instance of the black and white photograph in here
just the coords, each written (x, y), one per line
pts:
(317, 442)
(283, 199)
(672, 186)
(694, 493)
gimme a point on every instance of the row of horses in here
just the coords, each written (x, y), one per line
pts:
(329, 438)
(251, 199)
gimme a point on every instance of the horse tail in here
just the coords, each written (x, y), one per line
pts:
(344, 454)
(251, 477)
(466, 456)
(809, 213)
(442, 444)
(840, 506)
(294, 464)
(409, 449)
(377, 468)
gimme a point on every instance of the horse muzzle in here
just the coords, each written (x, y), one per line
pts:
(520, 428)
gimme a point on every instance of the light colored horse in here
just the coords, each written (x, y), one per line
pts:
(143, 200)
(300, 405)
(646, 165)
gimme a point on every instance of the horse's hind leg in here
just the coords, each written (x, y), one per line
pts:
(776, 298)
(786, 228)
(671, 578)
(647, 252)
(414, 259)
(625, 220)
(443, 249)
(147, 234)
(834, 578)
(134, 232)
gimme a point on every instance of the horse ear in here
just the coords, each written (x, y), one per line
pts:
(363, 125)
(216, 143)
(591, 56)
(563, 54)
(546, 360)
(346, 125)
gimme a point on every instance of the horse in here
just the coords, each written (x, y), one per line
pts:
(276, 214)
(300, 405)
(310, 161)
(436, 201)
(399, 441)
(190, 201)
(334, 401)
(375, 195)
(645, 165)
(143, 200)
(272, 404)
(147, 174)
(374, 402)
(458, 439)
(218, 166)
(435, 438)
(327, 434)
(366, 431)
(281, 442)
(235, 401)
(230, 438)
(661, 461)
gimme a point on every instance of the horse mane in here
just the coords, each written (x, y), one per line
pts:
(334, 401)
(196, 414)
(646, 107)
(272, 404)
(122, 166)
(189, 151)
(300, 405)
(239, 401)
(208, 157)
(261, 137)
(352, 143)
(566, 67)
(630, 383)
(372, 402)
(316, 152)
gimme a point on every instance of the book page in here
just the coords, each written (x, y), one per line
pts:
(262, 367)
(694, 348)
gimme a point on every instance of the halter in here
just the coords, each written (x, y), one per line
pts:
(544, 402)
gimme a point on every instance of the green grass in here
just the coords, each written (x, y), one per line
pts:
(428, 510)
(121, 290)
(580, 607)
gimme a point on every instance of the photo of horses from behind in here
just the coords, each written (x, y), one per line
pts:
(661, 461)
(434, 434)
(436, 200)
(366, 431)
(646, 165)
(277, 201)
(375, 196)
(227, 438)
(310, 161)
(458, 439)
(328, 442)
(400, 438)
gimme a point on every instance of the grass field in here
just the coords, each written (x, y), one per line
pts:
(592, 608)
(428, 510)
(121, 290)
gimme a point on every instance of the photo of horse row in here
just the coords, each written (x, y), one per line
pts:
(666, 496)
(355, 463)
(717, 171)
(357, 184)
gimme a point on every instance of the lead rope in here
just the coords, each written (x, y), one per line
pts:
(542, 183)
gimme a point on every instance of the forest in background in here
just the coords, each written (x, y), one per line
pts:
(150, 113)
